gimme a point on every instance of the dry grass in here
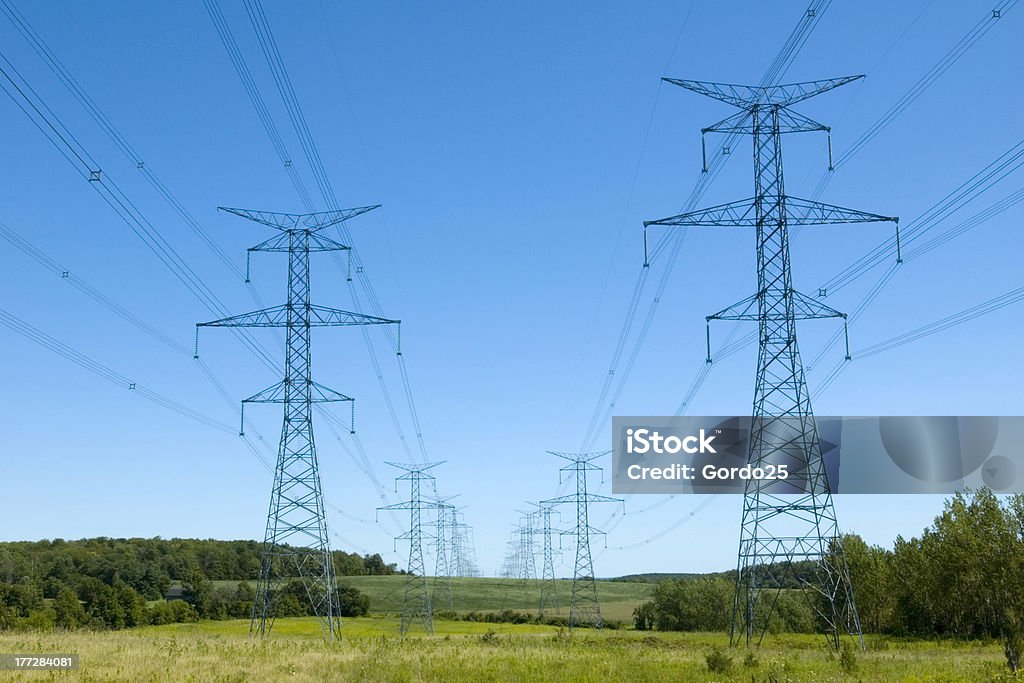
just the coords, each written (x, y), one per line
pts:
(371, 651)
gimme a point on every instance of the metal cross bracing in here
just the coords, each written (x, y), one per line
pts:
(789, 534)
(584, 606)
(461, 560)
(444, 555)
(417, 605)
(527, 549)
(296, 544)
(548, 586)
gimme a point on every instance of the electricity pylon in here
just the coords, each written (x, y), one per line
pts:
(584, 607)
(416, 602)
(458, 562)
(527, 547)
(296, 544)
(789, 530)
(548, 586)
(442, 560)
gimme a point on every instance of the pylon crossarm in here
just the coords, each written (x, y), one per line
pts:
(741, 310)
(742, 123)
(595, 498)
(318, 394)
(314, 241)
(292, 221)
(736, 95)
(806, 308)
(319, 316)
(806, 212)
(582, 457)
(748, 96)
(792, 122)
(741, 214)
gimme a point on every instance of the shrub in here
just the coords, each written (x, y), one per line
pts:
(848, 658)
(718, 662)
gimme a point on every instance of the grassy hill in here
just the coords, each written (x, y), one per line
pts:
(618, 598)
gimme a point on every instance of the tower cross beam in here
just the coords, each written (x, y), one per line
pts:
(299, 221)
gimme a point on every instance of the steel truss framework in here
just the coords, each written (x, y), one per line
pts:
(548, 587)
(296, 543)
(789, 534)
(417, 603)
(585, 606)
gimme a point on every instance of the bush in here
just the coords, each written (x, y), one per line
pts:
(352, 602)
(701, 604)
(718, 662)
(847, 657)
(644, 616)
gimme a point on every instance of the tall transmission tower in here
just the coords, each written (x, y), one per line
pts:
(458, 561)
(296, 544)
(584, 607)
(786, 526)
(442, 559)
(416, 602)
(548, 586)
(527, 547)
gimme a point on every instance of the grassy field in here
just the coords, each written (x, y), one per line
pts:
(370, 650)
(618, 598)
(492, 594)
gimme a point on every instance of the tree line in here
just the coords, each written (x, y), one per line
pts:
(962, 578)
(120, 583)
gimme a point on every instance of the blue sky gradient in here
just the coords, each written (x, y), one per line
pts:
(516, 149)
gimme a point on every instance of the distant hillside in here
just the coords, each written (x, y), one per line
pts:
(123, 582)
(656, 577)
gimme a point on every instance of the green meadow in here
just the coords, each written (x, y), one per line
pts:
(370, 649)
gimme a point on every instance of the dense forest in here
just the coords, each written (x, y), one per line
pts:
(120, 583)
(962, 578)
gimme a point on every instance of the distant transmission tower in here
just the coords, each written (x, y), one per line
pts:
(416, 602)
(548, 586)
(442, 559)
(527, 547)
(458, 561)
(296, 544)
(585, 607)
(788, 532)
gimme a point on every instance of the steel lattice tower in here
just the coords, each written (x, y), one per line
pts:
(548, 587)
(442, 562)
(296, 543)
(527, 547)
(458, 558)
(416, 602)
(789, 529)
(584, 607)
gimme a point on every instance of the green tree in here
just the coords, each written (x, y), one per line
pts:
(700, 604)
(352, 602)
(69, 611)
(870, 570)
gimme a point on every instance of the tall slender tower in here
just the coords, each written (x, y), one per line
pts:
(789, 534)
(548, 587)
(585, 606)
(443, 562)
(296, 544)
(417, 605)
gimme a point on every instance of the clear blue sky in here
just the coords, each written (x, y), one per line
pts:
(503, 142)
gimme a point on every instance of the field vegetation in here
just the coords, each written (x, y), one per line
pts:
(371, 650)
